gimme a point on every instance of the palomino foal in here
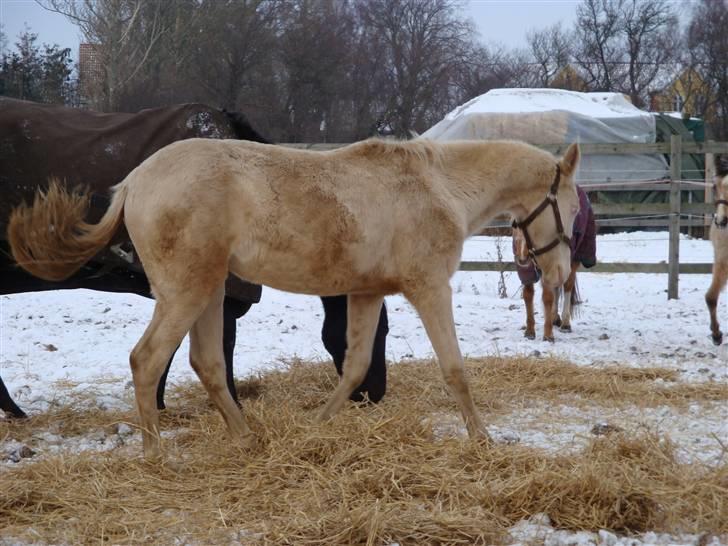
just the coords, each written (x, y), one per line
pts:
(719, 238)
(367, 220)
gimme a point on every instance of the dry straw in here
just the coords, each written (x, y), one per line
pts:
(373, 475)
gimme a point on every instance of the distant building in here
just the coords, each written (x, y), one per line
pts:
(688, 94)
(90, 73)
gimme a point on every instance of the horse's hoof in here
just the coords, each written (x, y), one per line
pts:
(557, 321)
(529, 335)
(249, 442)
(550, 339)
(717, 338)
(565, 328)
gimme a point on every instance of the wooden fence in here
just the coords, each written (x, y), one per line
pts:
(674, 214)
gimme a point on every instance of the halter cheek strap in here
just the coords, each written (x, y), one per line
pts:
(719, 202)
(551, 200)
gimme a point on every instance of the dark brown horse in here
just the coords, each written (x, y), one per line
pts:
(39, 141)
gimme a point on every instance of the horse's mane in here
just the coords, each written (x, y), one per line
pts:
(426, 151)
(243, 129)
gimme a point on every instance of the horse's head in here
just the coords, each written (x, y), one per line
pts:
(546, 228)
(720, 187)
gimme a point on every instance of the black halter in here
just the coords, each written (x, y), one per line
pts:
(550, 199)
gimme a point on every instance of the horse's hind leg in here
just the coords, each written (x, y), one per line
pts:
(362, 318)
(568, 291)
(720, 275)
(528, 293)
(434, 306)
(547, 296)
(208, 361)
(170, 322)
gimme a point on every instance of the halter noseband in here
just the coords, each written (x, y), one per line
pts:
(550, 199)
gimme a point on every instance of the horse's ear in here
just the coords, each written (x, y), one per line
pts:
(721, 165)
(570, 160)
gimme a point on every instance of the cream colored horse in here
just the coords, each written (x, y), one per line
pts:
(370, 219)
(719, 238)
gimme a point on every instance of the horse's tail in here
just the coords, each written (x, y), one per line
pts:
(576, 300)
(51, 240)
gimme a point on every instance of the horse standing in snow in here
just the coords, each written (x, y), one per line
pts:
(583, 252)
(367, 220)
(719, 238)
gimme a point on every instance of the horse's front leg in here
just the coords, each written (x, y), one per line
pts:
(528, 293)
(720, 275)
(434, 305)
(547, 296)
(361, 326)
(569, 285)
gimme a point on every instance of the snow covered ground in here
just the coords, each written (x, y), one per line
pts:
(53, 343)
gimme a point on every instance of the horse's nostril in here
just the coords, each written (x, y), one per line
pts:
(723, 222)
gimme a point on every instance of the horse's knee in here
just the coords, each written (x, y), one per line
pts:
(711, 300)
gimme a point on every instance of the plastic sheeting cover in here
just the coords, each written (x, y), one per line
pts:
(556, 116)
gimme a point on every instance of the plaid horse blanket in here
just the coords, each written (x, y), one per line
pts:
(94, 151)
(583, 242)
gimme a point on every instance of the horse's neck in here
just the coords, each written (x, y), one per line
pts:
(482, 189)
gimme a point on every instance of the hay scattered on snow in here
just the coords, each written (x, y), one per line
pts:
(372, 475)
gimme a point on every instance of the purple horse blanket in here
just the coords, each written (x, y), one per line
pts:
(583, 242)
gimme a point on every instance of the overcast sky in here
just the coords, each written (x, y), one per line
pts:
(498, 21)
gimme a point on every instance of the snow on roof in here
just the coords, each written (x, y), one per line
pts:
(597, 105)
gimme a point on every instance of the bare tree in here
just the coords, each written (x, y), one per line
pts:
(651, 32)
(315, 58)
(425, 44)
(125, 33)
(551, 51)
(708, 47)
(234, 38)
(598, 50)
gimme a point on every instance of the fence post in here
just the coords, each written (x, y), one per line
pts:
(673, 267)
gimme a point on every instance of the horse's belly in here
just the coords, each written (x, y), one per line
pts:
(310, 274)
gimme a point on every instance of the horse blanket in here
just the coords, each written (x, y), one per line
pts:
(94, 150)
(583, 242)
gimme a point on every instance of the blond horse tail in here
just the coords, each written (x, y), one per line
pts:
(51, 240)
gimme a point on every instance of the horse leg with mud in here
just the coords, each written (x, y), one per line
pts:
(529, 291)
(548, 298)
(570, 298)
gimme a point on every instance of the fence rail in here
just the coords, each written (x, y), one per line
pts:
(674, 214)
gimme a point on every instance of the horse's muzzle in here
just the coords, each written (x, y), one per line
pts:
(720, 223)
